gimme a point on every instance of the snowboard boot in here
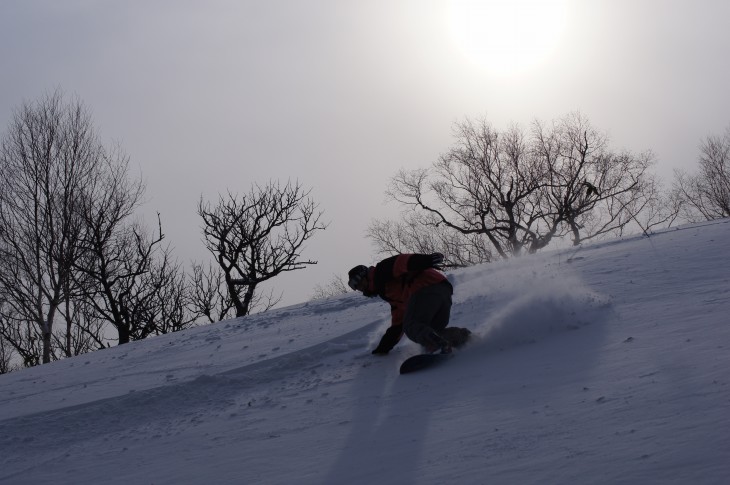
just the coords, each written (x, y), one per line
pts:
(456, 336)
(436, 342)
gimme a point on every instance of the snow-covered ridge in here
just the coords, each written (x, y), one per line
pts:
(601, 364)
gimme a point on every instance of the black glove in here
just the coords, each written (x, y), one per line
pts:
(436, 259)
(388, 341)
(380, 351)
(419, 262)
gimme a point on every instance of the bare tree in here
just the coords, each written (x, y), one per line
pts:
(168, 307)
(7, 351)
(706, 194)
(335, 287)
(84, 332)
(22, 336)
(68, 251)
(132, 280)
(116, 254)
(520, 191)
(590, 189)
(209, 294)
(258, 236)
(129, 279)
(46, 159)
(487, 184)
(6, 356)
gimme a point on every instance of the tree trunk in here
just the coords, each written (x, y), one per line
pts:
(124, 335)
(47, 334)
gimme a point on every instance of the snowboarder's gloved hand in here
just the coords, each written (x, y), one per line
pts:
(391, 337)
(419, 262)
(380, 350)
(436, 259)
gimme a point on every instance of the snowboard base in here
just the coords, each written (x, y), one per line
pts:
(423, 361)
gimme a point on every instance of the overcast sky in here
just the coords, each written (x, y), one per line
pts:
(211, 96)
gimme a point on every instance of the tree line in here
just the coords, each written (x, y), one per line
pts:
(80, 272)
(497, 194)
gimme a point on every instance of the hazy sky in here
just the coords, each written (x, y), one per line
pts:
(209, 96)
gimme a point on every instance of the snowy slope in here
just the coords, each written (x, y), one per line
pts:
(604, 364)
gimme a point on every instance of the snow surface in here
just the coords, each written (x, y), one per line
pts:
(603, 364)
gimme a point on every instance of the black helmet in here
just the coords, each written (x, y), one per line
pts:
(355, 276)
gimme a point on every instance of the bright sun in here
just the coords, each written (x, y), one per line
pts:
(507, 37)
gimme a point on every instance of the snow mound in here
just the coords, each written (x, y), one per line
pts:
(542, 306)
(531, 302)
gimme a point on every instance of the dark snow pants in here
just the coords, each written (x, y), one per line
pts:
(428, 309)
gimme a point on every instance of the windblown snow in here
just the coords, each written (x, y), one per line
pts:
(606, 363)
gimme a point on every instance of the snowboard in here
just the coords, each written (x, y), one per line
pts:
(423, 361)
(458, 337)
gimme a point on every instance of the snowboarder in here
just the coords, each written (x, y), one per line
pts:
(419, 298)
